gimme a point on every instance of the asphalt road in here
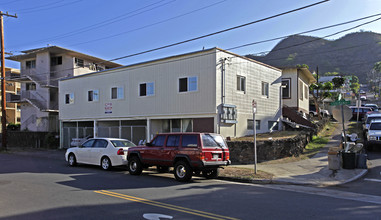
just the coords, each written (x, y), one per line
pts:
(40, 185)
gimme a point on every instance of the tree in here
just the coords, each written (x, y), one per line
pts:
(354, 84)
(325, 90)
(331, 74)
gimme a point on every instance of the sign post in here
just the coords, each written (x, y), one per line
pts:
(342, 102)
(254, 103)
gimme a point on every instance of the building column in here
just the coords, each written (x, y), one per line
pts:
(95, 130)
(148, 130)
(61, 135)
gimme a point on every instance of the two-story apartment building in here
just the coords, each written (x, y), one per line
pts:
(41, 69)
(207, 91)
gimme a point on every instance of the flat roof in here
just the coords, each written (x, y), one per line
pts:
(173, 57)
(29, 54)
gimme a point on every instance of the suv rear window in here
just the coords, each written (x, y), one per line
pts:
(212, 140)
(190, 141)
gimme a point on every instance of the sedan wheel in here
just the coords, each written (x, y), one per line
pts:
(72, 160)
(106, 163)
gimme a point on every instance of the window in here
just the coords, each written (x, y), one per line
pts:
(69, 98)
(93, 95)
(177, 125)
(190, 141)
(306, 92)
(79, 62)
(30, 86)
(117, 93)
(54, 61)
(147, 89)
(250, 124)
(273, 125)
(300, 90)
(159, 141)
(173, 140)
(188, 84)
(100, 144)
(88, 143)
(30, 64)
(265, 89)
(241, 83)
(286, 88)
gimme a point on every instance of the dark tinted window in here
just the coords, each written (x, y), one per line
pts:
(190, 141)
(173, 140)
(183, 84)
(100, 144)
(88, 143)
(375, 126)
(159, 141)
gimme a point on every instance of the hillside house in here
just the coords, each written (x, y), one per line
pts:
(41, 69)
(205, 91)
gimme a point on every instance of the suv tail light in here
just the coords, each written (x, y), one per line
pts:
(202, 156)
(120, 152)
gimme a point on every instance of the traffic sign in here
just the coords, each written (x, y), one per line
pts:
(341, 102)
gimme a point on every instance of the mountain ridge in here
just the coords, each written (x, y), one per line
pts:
(355, 53)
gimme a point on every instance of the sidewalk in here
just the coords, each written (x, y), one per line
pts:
(312, 171)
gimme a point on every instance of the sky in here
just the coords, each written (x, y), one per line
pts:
(117, 28)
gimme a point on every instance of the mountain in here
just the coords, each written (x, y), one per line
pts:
(353, 54)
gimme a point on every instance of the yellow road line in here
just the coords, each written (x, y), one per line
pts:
(164, 205)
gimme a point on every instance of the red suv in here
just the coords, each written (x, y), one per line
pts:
(186, 152)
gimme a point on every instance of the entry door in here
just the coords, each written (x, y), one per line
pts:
(83, 151)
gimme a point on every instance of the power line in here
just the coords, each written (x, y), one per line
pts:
(104, 23)
(108, 21)
(150, 25)
(219, 32)
(48, 8)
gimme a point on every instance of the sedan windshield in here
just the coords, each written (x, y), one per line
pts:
(372, 118)
(122, 143)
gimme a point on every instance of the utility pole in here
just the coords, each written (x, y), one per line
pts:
(3, 96)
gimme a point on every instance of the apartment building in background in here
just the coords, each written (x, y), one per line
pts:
(204, 91)
(11, 88)
(40, 71)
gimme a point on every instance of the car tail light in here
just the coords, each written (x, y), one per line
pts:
(202, 156)
(227, 157)
(120, 152)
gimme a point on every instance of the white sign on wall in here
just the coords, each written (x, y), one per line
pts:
(108, 108)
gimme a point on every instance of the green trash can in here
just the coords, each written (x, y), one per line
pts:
(349, 160)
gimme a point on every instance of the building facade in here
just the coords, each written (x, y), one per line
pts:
(206, 91)
(12, 88)
(41, 70)
(295, 90)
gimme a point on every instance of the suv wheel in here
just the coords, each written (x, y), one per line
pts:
(183, 172)
(135, 166)
(211, 174)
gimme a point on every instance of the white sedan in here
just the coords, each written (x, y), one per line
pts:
(106, 152)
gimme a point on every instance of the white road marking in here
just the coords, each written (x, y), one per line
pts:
(373, 180)
(318, 191)
(155, 216)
